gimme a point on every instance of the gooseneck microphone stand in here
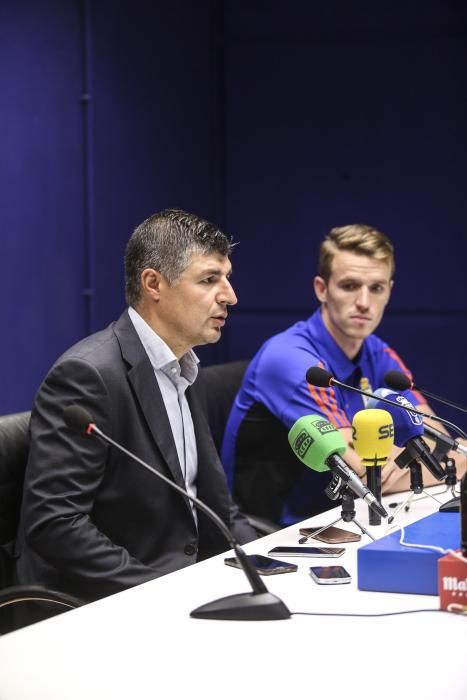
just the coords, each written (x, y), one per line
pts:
(335, 490)
(403, 460)
(259, 604)
(442, 447)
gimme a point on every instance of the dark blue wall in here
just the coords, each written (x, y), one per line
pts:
(277, 120)
(340, 113)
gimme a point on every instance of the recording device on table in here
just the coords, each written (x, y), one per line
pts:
(282, 551)
(330, 535)
(319, 445)
(444, 443)
(408, 432)
(330, 574)
(398, 381)
(263, 565)
(258, 604)
(317, 376)
(373, 440)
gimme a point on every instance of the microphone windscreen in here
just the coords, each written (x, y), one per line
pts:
(313, 439)
(407, 424)
(373, 436)
(317, 376)
(397, 381)
(77, 418)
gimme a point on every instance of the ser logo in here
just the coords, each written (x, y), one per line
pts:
(386, 431)
(302, 443)
(325, 427)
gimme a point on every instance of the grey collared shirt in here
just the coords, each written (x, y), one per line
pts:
(173, 378)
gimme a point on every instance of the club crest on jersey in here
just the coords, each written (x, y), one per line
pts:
(405, 403)
(365, 386)
(302, 443)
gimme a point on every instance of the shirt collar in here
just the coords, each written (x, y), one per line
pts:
(160, 355)
(342, 367)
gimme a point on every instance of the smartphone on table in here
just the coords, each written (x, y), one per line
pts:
(331, 535)
(264, 565)
(281, 551)
(330, 574)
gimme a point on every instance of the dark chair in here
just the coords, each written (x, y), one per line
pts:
(19, 605)
(14, 448)
(219, 385)
(22, 605)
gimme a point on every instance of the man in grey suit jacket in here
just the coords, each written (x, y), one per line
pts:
(93, 521)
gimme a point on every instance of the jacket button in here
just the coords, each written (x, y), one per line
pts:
(190, 549)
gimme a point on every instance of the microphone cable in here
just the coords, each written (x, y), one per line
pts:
(385, 614)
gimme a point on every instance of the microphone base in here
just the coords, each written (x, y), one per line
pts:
(452, 506)
(244, 606)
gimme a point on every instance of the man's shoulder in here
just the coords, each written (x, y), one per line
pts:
(93, 347)
(288, 353)
(100, 348)
(299, 335)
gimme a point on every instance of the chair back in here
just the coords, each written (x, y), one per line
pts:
(23, 605)
(14, 449)
(219, 384)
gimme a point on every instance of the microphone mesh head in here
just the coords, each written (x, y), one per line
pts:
(398, 381)
(317, 376)
(373, 435)
(77, 418)
(313, 439)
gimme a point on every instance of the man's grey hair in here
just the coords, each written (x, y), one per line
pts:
(165, 242)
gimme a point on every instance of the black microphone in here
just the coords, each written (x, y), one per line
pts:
(445, 441)
(317, 376)
(401, 382)
(258, 605)
(407, 432)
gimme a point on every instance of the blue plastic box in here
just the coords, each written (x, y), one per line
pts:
(386, 565)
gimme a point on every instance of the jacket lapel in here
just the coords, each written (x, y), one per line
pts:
(146, 389)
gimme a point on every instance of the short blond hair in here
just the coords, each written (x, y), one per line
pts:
(358, 239)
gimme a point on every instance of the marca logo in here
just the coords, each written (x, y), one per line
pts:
(452, 583)
(414, 417)
(302, 443)
(324, 427)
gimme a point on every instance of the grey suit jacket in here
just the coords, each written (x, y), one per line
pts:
(93, 521)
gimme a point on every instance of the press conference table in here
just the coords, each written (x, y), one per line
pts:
(142, 643)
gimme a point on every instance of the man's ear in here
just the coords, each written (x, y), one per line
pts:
(320, 288)
(151, 281)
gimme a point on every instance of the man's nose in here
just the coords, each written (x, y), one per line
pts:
(363, 297)
(227, 295)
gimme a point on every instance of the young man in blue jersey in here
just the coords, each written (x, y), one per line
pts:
(354, 285)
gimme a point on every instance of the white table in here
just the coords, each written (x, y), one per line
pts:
(142, 643)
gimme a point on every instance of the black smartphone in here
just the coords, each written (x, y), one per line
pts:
(331, 535)
(264, 565)
(330, 574)
(307, 551)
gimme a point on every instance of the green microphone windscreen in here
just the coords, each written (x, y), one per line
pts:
(313, 439)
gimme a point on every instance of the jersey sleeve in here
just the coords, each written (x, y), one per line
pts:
(282, 387)
(392, 361)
